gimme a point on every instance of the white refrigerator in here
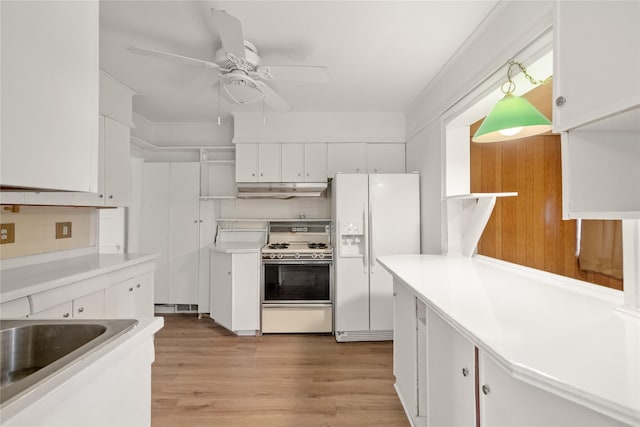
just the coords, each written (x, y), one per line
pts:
(373, 215)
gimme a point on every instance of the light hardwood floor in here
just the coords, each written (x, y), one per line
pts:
(205, 376)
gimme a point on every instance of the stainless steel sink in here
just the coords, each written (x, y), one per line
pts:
(31, 350)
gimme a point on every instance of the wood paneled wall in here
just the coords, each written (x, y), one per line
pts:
(528, 229)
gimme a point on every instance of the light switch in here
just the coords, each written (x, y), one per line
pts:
(63, 230)
(7, 233)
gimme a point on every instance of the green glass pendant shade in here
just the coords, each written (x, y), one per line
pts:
(510, 113)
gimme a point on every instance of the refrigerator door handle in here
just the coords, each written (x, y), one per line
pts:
(365, 219)
(372, 257)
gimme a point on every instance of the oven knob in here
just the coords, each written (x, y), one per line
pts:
(279, 255)
(314, 255)
(272, 256)
(320, 255)
(296, 256)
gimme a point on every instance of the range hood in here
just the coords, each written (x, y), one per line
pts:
(280, 190)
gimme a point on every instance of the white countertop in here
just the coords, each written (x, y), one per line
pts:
(237, 247)
(23, 281)
(556, 333)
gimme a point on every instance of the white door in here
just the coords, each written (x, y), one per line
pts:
(346, 158)
(385, 158)
(394, 228)
(405, 348)
(293, 160)
(351, 267)
(451, 375)
(269, 163)
(184, 232)
(116, 163)
(315, 162)
(111, 230)
(154, 224)
(221, 289)
(246, 162)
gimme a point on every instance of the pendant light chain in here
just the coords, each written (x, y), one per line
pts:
(511, 86)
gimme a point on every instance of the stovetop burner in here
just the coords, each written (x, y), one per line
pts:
(278, 245)
(318, 246)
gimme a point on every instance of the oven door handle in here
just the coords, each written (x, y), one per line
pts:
(296, 305)
(298, 262)
(365, 219)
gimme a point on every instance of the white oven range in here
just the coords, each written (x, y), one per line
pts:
(297, 278)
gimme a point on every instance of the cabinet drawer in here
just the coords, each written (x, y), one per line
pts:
(13, 309)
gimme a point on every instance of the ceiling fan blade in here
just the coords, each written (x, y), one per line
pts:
(272, 99)
(183, 59)
(209, 95)
(300, 73)
(230, 30)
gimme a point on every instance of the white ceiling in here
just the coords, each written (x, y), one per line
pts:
(380, 54)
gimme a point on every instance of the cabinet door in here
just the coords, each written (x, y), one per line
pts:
(96, 198)
(118, 299)
(245, 286)
(89, 305)
(246, 162)
(221, 293)
(143, 295)
(346, 158)
(184, 232)
(61, 311)
(154, 230)
(269, 163)
(451, 375)
(293, 162)
(596, 44)
(405, 347)
(315, 162)
(385, 158)
(116, 163)
(505, 401)
(49, 119)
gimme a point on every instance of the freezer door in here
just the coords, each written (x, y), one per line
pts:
(351, 263)
(394, 228)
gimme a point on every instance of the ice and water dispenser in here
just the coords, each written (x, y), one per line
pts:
(352, 239)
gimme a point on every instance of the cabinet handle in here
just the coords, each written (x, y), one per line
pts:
(195, 220)
(130, 289)
(560, 101)
(357, 169)
(81, 309)
(228, 272)
(299, 174)
(485, 389)
(65, 315)
(307, 173)
(253, 174)
(138, 285)
(111, 196)
(375, 170)
(101, 195)
(261, 174)
(465, 372)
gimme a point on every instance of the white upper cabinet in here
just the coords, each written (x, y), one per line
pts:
(347, 158)
(304, 162)
(49, 95)
(246, 162)
(385, 158)
(315, 162)
(596, 61)
(269, 162)
(113, 175)
(258, 162)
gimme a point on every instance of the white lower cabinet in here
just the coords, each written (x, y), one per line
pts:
(435, 369)
(506, 402)
(59, 311)
(131, 298)
(235, 291)
(89, 305)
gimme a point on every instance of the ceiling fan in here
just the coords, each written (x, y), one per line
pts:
(240, 69)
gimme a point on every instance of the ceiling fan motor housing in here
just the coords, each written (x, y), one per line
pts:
(250, 62)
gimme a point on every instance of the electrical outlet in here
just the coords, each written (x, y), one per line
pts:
(63, 230)
(7, 233)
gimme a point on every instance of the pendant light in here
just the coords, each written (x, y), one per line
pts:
(513, 117)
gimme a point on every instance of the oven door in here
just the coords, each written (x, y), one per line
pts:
(296, 282)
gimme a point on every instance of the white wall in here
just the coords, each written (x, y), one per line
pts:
(505, 34)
